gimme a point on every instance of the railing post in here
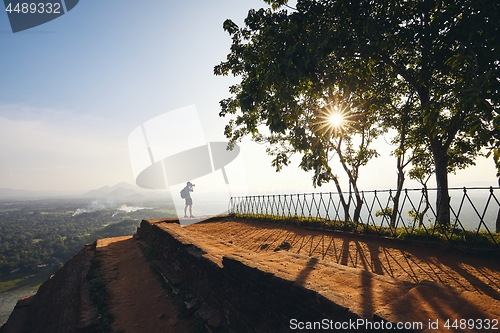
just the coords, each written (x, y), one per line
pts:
(280, 206)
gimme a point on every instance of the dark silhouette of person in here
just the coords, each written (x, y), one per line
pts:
(189, 201)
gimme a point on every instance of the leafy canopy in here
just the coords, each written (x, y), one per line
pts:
(361, 56)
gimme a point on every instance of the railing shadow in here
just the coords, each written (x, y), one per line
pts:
(396, 259)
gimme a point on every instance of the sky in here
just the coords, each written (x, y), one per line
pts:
(74, 89)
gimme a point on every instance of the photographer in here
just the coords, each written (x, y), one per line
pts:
(189, 201)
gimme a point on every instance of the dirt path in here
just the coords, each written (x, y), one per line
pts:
(138, 301)
(383, 257)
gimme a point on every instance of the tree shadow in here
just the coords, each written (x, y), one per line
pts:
(304, 273)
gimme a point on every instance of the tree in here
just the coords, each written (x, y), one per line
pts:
(400, 117)
(497, 225)
(352, 147)
(496, 158)
(290, 91)
(446, 52)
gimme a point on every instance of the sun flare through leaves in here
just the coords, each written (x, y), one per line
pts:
(332, 121)
(336, 119)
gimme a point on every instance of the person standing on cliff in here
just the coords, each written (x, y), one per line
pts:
(189, 201)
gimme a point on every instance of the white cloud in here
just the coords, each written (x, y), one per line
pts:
(53, 150)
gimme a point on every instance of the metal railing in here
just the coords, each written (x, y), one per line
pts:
(474, 212)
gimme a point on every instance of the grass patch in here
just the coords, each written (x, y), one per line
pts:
(23, 280)
(99, 295)
(434, 233)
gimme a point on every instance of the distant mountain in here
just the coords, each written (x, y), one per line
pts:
(121, 191)
(137, 197)
(8, 193)
(14, 194)
(126, 185)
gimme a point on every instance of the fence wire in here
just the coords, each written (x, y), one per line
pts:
(475, 213)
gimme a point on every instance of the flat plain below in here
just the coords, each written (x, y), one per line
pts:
(19, 285)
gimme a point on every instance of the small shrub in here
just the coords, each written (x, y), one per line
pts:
(99, 295)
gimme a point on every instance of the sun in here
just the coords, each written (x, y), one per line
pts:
(332, 121)
(336, 120)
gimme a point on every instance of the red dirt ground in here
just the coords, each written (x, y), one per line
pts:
(475, 280)
(377, 255)
(138, 301)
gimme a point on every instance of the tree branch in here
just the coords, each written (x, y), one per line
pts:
(421, 90)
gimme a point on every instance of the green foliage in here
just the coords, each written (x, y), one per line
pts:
(123, 228)
(414, 215)
(384, 212)
(22, 280)
(37, 232)
(99, 295)
(285, 88)
(496, 158)
(369, 59)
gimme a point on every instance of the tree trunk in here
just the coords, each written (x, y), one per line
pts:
(345, 205)
(359, 199)
(498, 215)
(395, 208)
(399, 188)
(427, 206)
(357, 210)
(498, 221)
(353, 184)
(443, 197)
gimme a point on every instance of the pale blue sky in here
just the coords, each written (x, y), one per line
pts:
(73, 89)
